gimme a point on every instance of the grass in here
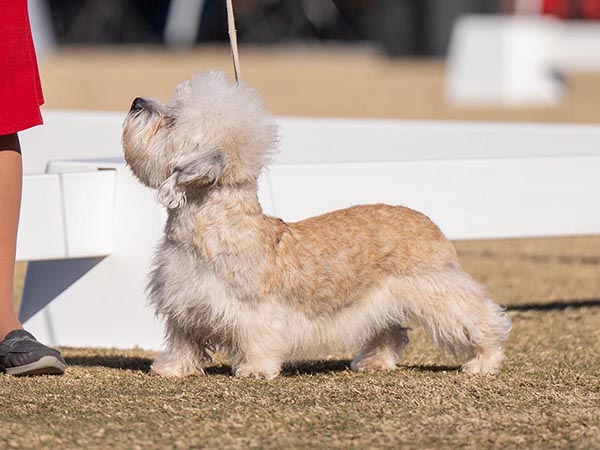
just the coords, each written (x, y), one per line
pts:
(548, 395)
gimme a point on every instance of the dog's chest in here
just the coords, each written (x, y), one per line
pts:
(187, 291)
(183, 281)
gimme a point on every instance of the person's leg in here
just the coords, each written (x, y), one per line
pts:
(20, 352)
(11, 173)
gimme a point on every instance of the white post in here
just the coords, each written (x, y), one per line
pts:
(183, 22)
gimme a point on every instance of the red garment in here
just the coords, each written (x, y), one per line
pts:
(572, 9)
(559, 8)
(591, 9)
(20, 88)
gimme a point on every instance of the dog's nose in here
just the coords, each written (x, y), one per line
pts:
(138, 104)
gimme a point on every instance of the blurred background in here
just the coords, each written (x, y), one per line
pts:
(525, 60)
(399, 27)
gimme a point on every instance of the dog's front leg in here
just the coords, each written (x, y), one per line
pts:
(267, 369)
(254, 358)
(183, 356)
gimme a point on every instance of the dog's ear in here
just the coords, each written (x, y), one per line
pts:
(189, 169)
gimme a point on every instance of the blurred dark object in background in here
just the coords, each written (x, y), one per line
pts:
(400, 27)
(422, 27)
(108, 21)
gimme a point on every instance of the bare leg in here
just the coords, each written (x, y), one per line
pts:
(21, 353)
(11, 174)
(383, 352)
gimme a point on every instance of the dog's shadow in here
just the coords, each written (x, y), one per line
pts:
(139, 364)
(343, 365)
(131, 363)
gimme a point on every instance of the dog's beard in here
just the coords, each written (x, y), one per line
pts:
(143, 146)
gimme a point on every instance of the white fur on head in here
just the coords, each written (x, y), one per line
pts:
(212, 112)
(212, 131)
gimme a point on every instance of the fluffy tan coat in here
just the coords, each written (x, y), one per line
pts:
(267, 291)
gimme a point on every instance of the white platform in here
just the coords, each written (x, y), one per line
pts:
(474, 180)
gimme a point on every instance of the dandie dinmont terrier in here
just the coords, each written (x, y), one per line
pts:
(269, 292)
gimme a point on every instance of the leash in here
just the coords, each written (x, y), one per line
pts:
(233, 41)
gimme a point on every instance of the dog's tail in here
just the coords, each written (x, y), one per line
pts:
(459, 315)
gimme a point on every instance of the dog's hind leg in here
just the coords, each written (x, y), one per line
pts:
(182, 357)
(382, 352)
(459, 315)
(487, 339)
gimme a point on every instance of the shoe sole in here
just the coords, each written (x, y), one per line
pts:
(46, 365)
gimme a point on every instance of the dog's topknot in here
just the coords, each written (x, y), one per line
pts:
(219, 116)
(211, 132)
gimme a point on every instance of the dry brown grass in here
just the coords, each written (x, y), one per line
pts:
(548, 395)
(535, 271)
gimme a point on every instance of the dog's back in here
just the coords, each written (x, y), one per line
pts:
(328, 262)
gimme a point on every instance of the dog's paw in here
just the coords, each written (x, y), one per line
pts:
(255, 372)
(484, 364)
(373, 365)
(170, 369)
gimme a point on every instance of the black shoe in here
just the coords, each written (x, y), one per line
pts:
(22, 354)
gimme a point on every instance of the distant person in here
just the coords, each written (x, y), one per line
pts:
(20, 100)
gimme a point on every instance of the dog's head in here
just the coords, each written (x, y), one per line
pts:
(212, 132)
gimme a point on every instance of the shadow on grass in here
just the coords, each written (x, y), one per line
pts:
(218, 369)
(556, 306)
(133, 363)
(138, 364)
(343, 365)
(316, 367)
(431, 368)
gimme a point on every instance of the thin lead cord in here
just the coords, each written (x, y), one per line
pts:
(233, 41)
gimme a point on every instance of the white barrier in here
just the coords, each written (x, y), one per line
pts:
(66, 215)
(474, 180)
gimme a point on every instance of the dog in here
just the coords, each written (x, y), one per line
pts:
(269, 292)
